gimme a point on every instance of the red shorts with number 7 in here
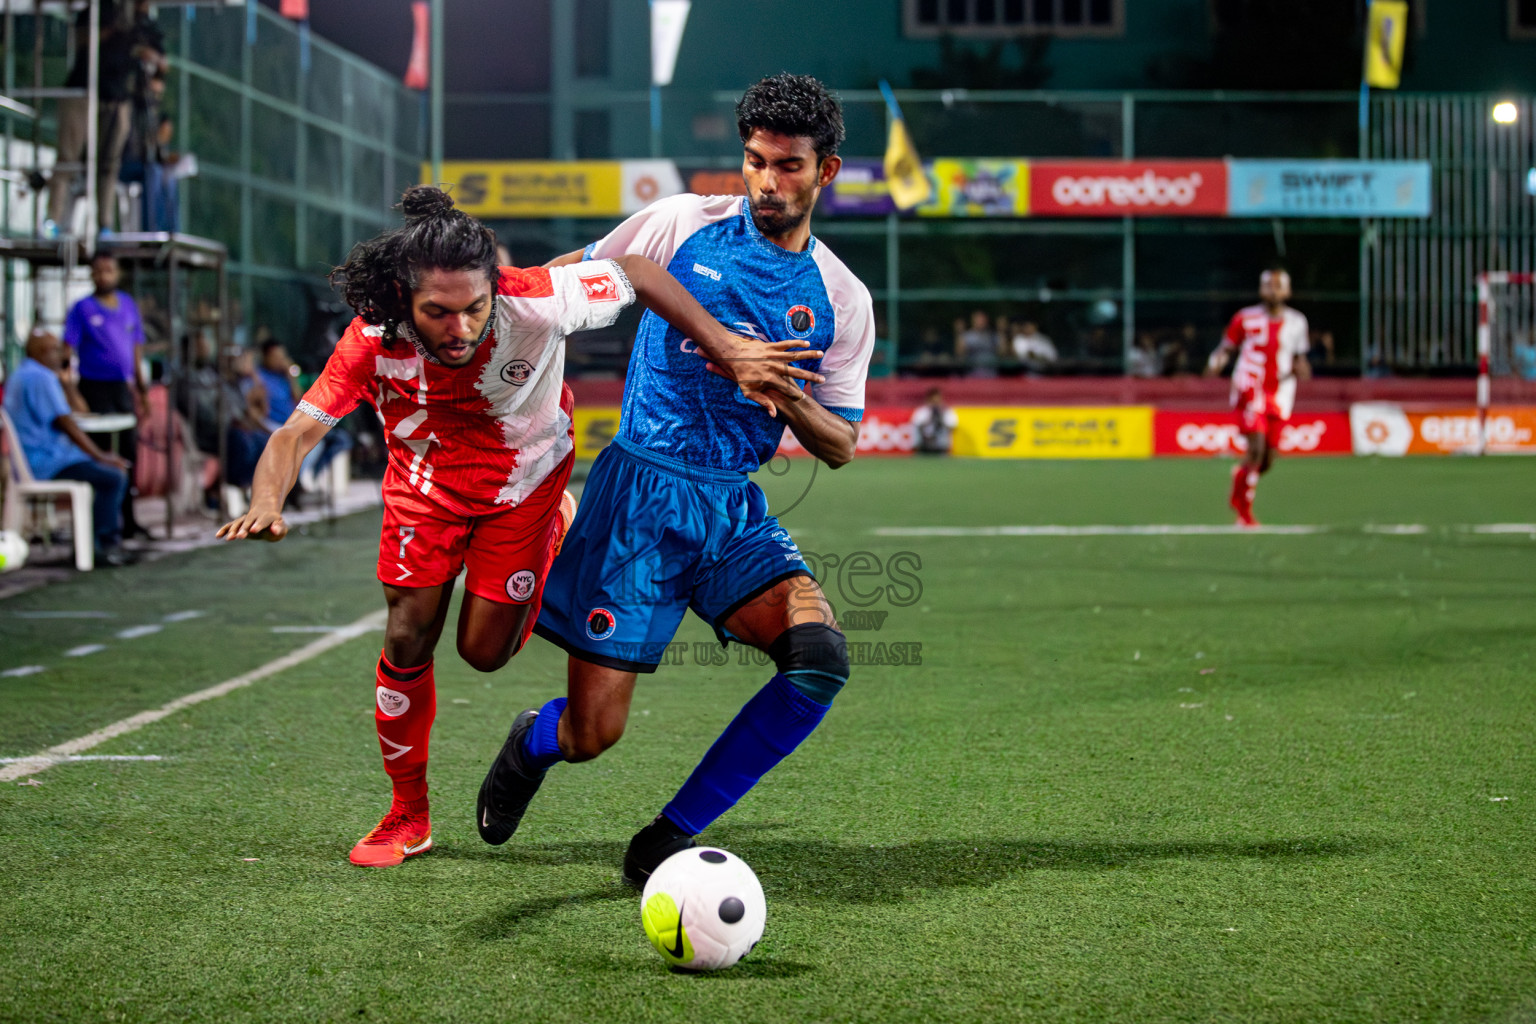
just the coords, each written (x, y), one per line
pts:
(506, 555)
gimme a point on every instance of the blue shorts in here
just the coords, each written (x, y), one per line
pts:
(654, 537)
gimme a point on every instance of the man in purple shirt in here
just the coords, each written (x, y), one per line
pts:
(105, 329)
(57, 449)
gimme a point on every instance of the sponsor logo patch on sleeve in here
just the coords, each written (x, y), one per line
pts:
(600, 288)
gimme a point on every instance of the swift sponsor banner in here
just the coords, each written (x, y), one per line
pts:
(1328, 188)
(1385, 428)
(1128, 188)
(1066, 432)
(1218, 433)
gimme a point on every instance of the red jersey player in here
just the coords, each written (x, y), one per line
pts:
(1271, 344)
(464, 360)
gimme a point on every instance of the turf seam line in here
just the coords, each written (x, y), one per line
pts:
(63, 751)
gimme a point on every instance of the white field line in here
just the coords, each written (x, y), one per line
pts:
(54, 755)
(45, 761)
(1155, 530)
(1192, 530)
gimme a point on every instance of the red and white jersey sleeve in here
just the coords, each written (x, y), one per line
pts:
(480, 438)
(348, 379)
(659, 230)
(1266, 356)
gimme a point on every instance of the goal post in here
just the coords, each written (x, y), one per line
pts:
(1492, 290)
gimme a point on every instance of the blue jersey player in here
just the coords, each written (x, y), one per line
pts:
(669, 520)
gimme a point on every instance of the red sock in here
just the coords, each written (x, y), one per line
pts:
(1244, 482)
(405, 703)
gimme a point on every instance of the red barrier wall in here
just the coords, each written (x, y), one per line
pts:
(1322, 394)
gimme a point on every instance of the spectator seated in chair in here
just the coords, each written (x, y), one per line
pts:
(57, 449)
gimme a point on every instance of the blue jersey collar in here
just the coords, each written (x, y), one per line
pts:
(762, 240)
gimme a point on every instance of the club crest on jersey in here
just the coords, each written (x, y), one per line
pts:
(600, 624)
(600, 288)
(800, 320)
(520, 585)
(517, 372)
(392, 703)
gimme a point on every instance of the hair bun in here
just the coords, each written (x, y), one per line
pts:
(423, 201)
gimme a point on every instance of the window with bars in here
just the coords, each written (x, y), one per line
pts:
(994, 18)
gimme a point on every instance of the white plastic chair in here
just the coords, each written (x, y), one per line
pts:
(22, 485)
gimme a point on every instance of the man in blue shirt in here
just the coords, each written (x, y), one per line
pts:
(105, 329)
(280, 377)
(669, 520)
(57, 449)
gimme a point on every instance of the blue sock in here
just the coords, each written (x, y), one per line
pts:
(541, 744)
(763, 733)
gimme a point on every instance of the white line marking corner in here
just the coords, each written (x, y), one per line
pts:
(66, 750)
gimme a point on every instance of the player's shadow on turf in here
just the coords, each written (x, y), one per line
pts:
(817, 871)
(814, 871)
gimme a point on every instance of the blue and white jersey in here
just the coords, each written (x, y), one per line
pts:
(674, 406)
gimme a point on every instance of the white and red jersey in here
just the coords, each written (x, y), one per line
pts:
(479, 438)
(1266, 355)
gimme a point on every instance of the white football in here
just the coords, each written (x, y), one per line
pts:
(13, 551)
(703, 909)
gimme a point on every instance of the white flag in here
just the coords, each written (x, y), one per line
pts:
(667, 20)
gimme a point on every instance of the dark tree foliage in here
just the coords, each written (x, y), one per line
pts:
(1274, 44)
(1017, 64)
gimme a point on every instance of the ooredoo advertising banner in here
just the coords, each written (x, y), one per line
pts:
(1128, 188)
(1218, 433)
(885, 430)
(1385, 428)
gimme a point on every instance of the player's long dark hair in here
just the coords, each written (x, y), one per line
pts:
(379, 274)
(793, 105)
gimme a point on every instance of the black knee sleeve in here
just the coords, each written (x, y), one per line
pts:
(814, 658)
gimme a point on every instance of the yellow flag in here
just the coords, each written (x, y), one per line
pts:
(1384, 43)
(903, 170)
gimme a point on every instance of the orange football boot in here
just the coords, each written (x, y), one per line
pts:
(398, 836)
(567, 516)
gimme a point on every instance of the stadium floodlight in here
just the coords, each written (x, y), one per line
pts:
(1505, 112)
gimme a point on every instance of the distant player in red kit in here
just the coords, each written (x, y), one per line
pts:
(464, 361)
(1271, 344)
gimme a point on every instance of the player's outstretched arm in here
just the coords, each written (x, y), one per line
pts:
(1301, 368)
(1218, 360)
(759, 368)
(276, 473)
(566, 260)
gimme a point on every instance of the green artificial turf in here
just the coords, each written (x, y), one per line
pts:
(1134, 778)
